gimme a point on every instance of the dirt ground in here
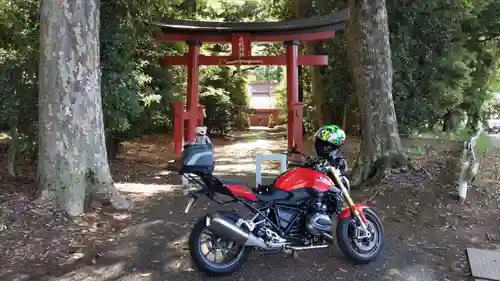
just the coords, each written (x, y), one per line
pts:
(426, 231)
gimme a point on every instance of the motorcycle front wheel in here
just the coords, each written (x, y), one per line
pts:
(215, 255)
(354, 244)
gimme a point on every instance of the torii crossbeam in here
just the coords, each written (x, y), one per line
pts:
(241, 35)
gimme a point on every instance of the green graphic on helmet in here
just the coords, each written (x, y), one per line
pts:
(332, 134)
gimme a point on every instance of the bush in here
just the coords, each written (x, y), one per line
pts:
(217, 109)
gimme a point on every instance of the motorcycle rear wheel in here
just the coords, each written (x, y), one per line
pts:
(201, 260)
(361, 251)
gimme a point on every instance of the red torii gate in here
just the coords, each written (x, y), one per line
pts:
(241, 35)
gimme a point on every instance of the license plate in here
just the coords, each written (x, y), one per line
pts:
(189, 205)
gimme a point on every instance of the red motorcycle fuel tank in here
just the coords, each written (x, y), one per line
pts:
(297, 178)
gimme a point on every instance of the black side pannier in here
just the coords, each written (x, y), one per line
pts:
(197, 159)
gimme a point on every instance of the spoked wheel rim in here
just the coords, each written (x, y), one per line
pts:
(358, 240)
(218, 252)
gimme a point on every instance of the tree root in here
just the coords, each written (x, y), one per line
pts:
(373, 171)
(111, 196)
(76, 196)
(103, 191)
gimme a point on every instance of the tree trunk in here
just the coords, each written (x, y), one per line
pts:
(472, 122)
(316, 87)
(192, 7)
(72, 162)
(303, 9)
(369, 56)
(13, 149)
(451, 121)
(446, 122)
(344, 118)
(432, 123)
(112, 147)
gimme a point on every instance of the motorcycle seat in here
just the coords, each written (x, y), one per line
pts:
(265, 194)
(234, 182)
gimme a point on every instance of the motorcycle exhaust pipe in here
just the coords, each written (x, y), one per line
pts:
(227, 229)
(328, 238)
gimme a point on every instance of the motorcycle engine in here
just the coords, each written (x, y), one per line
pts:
(319, 221)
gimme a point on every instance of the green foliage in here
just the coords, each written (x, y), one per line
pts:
(275, 10)
(217, 109)
(273, 73)
(234, 85)
(19, 29)
(339, 88)
(444, 55)
(137, 91)
(428, 62)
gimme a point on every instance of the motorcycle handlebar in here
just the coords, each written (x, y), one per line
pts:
(294, 150)
(310, 161)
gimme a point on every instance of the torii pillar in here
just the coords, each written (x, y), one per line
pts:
(294, 106)
(193, 68)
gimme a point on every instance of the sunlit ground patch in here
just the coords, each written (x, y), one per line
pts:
(101, 273)
(140, 191)
(416, 272)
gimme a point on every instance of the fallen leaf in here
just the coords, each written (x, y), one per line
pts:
(343, 270)
(76, 256)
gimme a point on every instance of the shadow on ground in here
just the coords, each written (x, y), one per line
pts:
(154, 248)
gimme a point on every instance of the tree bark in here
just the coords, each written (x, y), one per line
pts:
(13, 149)
(451, 121)
(472, 121)
(369, 56)
(303, 9)
(344, 118)
(316, 87)
(72, 161)
(112, 147)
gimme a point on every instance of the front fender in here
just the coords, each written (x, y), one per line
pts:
(346, 212)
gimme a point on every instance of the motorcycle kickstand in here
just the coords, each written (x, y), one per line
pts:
(293, 253)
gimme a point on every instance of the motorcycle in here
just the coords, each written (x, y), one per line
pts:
(292, 214)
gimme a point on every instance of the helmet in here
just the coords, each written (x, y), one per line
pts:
(328, 139)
